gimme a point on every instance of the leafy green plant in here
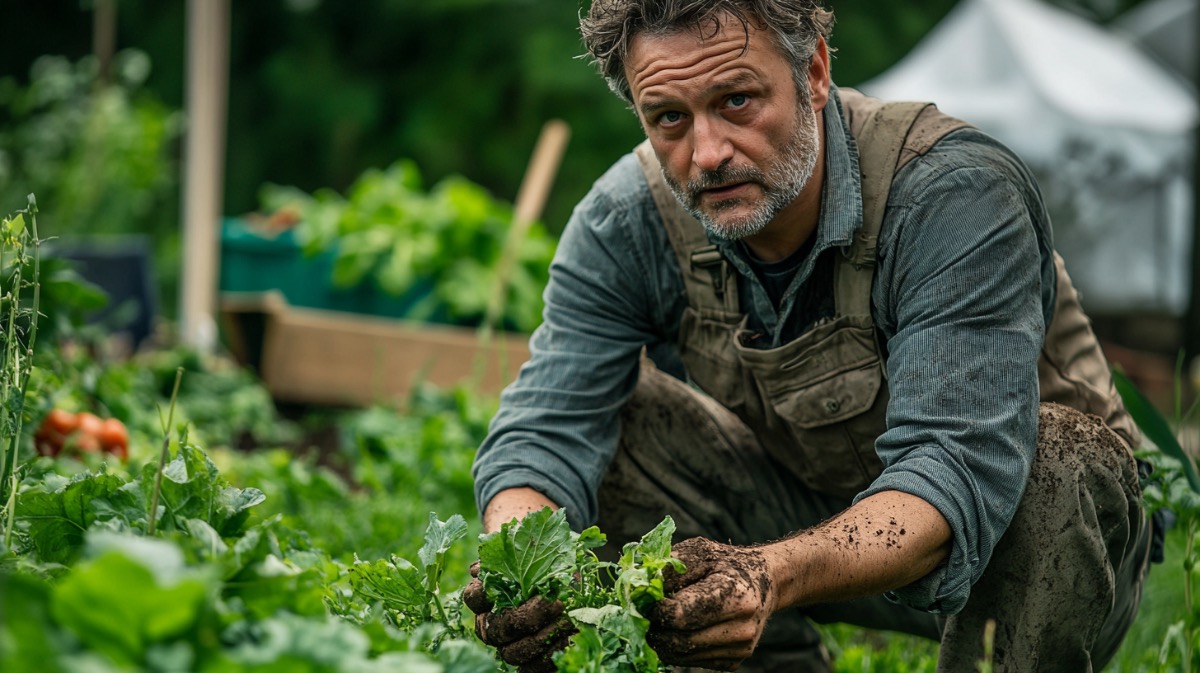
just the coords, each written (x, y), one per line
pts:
(440, 248)
(410, 594)
(209, 590)
(103, 154)
(541, 556)
(536, 556)
(1174, 486)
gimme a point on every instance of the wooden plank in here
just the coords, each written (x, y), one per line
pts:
(324, 357)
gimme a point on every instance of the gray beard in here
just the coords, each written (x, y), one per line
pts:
(781, 183)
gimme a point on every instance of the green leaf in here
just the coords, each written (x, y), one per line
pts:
(586, 653)
(397, 583)
(193, 488)
(27, 633)
(118, 605)
(16, 226)
(207, 536)
(533, 556)
(642, 563)
(287, 643)
(1154, 426)
(55, 522)
(656, 545)
(439, 537)
(623, 637)
(464, 656)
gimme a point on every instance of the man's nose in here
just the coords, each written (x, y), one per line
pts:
(711, 146)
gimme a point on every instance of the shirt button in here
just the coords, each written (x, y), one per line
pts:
(833, 406)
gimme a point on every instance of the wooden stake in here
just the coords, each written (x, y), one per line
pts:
(531, 199)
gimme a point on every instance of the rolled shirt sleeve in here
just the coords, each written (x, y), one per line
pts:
(962, 293)
(557, 426)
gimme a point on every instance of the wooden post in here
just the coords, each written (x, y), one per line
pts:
(204, 157)
(104, 37)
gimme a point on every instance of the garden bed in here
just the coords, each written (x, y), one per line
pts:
(335, 358)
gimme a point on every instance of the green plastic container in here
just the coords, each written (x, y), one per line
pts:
(254, 262)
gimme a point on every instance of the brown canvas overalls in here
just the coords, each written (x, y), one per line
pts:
(785, 438)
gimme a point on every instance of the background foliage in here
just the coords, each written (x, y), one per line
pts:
(321, 91)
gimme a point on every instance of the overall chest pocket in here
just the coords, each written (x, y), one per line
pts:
(824, 405)
(706, 348)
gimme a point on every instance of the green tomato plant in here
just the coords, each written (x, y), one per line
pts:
(1172, 487)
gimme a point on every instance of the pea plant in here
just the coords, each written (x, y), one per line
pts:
(19, 268)
(1174, 488)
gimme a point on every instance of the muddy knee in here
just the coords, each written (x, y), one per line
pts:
(1083, 479)
(1070, 442)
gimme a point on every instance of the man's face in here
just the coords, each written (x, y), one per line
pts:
(737, 144)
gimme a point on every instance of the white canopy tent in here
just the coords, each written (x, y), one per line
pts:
(1104, 126)
(1168, 30)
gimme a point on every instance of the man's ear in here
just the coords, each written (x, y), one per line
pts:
(818, 75)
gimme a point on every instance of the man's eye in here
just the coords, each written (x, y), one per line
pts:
(671, 117)
(738, 100)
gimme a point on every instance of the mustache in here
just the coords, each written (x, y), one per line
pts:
(724, 176)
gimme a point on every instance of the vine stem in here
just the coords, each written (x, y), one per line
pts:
(11, 508)
(437, 601)
(1189, 552)
(8, 468)
(166, 453)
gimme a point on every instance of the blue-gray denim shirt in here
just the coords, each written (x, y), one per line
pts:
(962, 294)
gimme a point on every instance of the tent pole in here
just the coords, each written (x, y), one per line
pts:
(1191, 328)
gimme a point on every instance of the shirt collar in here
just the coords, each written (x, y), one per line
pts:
(841, 200)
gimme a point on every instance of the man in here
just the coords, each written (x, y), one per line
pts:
(866, 303)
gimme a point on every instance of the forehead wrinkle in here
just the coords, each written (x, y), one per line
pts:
(651, 73)
(654, 102)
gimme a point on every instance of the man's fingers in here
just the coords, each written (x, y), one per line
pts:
(721, 647)
(526, 619)
(699, 560)
(475, 597)
(541, 646)
(540, 666)
(481, 626)
(700, 605)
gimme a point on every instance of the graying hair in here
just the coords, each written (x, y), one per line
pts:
(610, 26)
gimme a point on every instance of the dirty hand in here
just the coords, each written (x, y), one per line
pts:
(715, 612)
(526, 636)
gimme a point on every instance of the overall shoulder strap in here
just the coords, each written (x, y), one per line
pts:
(888, 136)
(708, 278)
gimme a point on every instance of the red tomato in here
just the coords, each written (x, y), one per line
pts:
(60, 421)
(84, 443)
(52, 434)
(87, 437)
(114, 438)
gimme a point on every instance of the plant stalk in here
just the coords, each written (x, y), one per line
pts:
(11, 508)
(1190, 619)
(165, 455)
(8, 461)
